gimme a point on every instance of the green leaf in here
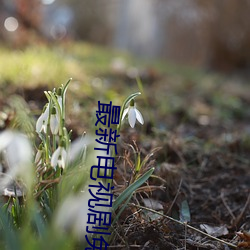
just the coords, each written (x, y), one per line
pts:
(121, 210)
(39, 222)
(129, 190)
(138, 163)
(185, 212)
(65, 87)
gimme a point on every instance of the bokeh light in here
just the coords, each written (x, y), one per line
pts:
(11, 24)
(48, 2)
(58, 31)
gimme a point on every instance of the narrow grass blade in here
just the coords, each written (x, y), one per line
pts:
(128, 191)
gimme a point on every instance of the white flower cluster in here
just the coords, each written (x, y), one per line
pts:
(52, 118)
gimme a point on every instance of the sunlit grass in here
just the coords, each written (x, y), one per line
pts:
(41, 64)
(37, 65)
(90, 66)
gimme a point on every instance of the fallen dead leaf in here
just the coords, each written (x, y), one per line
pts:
(215, 231)
(245, 236)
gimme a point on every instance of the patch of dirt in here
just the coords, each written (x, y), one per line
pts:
(204, 160)
(216, 187)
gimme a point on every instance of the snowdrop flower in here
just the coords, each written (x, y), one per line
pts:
(78, 148)
(17, 152)
(59, 157)
(42, 122)
(54, 121)
(133, 114)
(72, 214)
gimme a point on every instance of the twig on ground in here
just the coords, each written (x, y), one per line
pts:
(122, 246)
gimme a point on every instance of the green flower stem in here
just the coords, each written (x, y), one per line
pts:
(53, 142)
(47, 140)
(66, 138)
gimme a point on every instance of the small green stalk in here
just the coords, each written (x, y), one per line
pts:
(64, 89)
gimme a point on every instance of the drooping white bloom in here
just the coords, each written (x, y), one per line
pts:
(133, 114)
(59, 157)
(54, 121)
(72, 215)
(42, 122)
(17, 146)
(78, 148)
(17, 152)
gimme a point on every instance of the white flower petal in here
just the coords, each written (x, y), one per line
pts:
(55, 156)
(64, 154)
(5, 139)
(18, 155)
(46, 113)
(132, 117)
(124, 113)
(19, 151)
(59, 99)
(61, 163)
(59, 157)
(44, 127)
(54, 124)
(71, 215)
(139, 116)
(77, 148)
(39, 123)
(42, 121)
(63, 158)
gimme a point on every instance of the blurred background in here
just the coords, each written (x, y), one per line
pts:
(212, 34)
(193, 60)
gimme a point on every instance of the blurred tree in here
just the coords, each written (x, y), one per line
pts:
(29, 14)
(229, 34)
(211, 33)
(92, 20)
(26, 16)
